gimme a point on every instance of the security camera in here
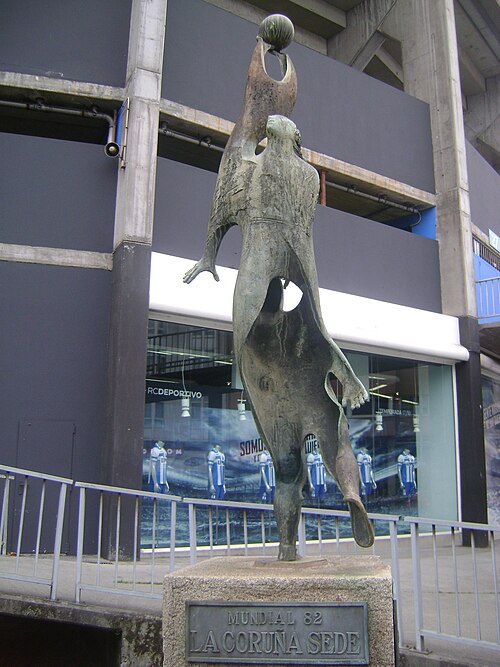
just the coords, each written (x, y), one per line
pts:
(112, 149)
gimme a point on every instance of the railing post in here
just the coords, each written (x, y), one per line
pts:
(79, 545)
(302, 536)
(393, 529)
(476, 588)
(192, 533)
(5, 515)
(173, 526)
(21, 522)
(58, 540)
(417, 587)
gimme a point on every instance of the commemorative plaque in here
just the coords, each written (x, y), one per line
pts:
(277, 633)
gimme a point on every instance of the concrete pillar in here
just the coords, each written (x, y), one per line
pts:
(132, 249)
(426, 30)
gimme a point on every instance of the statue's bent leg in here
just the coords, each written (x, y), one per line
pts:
(348, 477)
(335, 443)
(289, 460)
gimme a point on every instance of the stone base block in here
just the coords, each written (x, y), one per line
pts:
(254, 611)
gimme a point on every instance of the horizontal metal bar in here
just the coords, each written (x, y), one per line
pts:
(325, 512)
(488, 280)
(460, 640)
(27, 578)
(224, 503)
(450, 523)
(127, 492)
(38, 475)
(123, 591)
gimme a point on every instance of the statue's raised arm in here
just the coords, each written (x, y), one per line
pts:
(264, 96)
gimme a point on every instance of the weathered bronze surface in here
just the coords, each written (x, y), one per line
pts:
(286, 359)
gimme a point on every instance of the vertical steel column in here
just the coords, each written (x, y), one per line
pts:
(302, 536)
(192, 533)
(173, 538)
(5, 515)
(393, 531)
(58, 540)
(79, 545)
(417, 587)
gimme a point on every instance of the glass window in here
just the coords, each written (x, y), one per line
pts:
(200, 439)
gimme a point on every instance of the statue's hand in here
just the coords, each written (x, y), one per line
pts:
(200, 266)
(354, 391)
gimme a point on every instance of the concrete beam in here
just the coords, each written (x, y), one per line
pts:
(82, 259)
(324, 10)
(363, 21)
(482, 116)
(13, 84)
(490, 34)
(255, 14)
(472, 80)
(199, 123)
(371, 47)
(391, 63)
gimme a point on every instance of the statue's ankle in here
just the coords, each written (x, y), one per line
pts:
(287, 552)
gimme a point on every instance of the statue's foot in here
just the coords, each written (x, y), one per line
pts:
(287, 552)
(362, 528)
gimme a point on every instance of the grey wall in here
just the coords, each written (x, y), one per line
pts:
(66, 39)
(484, 189)
(56, 193)
(53, 343)
(353, 255)
(370, 259)
(339, 111)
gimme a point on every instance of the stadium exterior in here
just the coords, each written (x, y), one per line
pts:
(398, 110)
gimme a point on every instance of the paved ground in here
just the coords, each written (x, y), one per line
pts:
(127, 577)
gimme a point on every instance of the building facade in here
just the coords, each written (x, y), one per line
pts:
(106, 352)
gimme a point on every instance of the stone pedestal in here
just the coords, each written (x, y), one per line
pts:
(255, 611)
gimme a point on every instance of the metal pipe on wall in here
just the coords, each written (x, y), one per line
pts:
(324, 183)
(111, 148)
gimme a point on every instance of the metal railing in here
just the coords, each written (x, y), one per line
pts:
(117, 541)
(24, 511)
(446, 580)
(445, 577)
(488, 298)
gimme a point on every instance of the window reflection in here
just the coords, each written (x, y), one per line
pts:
(403, 438)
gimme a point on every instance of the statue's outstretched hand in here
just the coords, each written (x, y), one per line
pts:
(199, 267)
(355, 392)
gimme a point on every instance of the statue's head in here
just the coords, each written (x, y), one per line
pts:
(281, 127)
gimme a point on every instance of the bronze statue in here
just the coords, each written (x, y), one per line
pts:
(286, 359)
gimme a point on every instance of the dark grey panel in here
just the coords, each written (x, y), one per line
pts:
(183, 203)
(81, 41)
(370, 259)
(353, 255)
(53, 343)
(339, 111)
(484, 186)
(56, 193)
